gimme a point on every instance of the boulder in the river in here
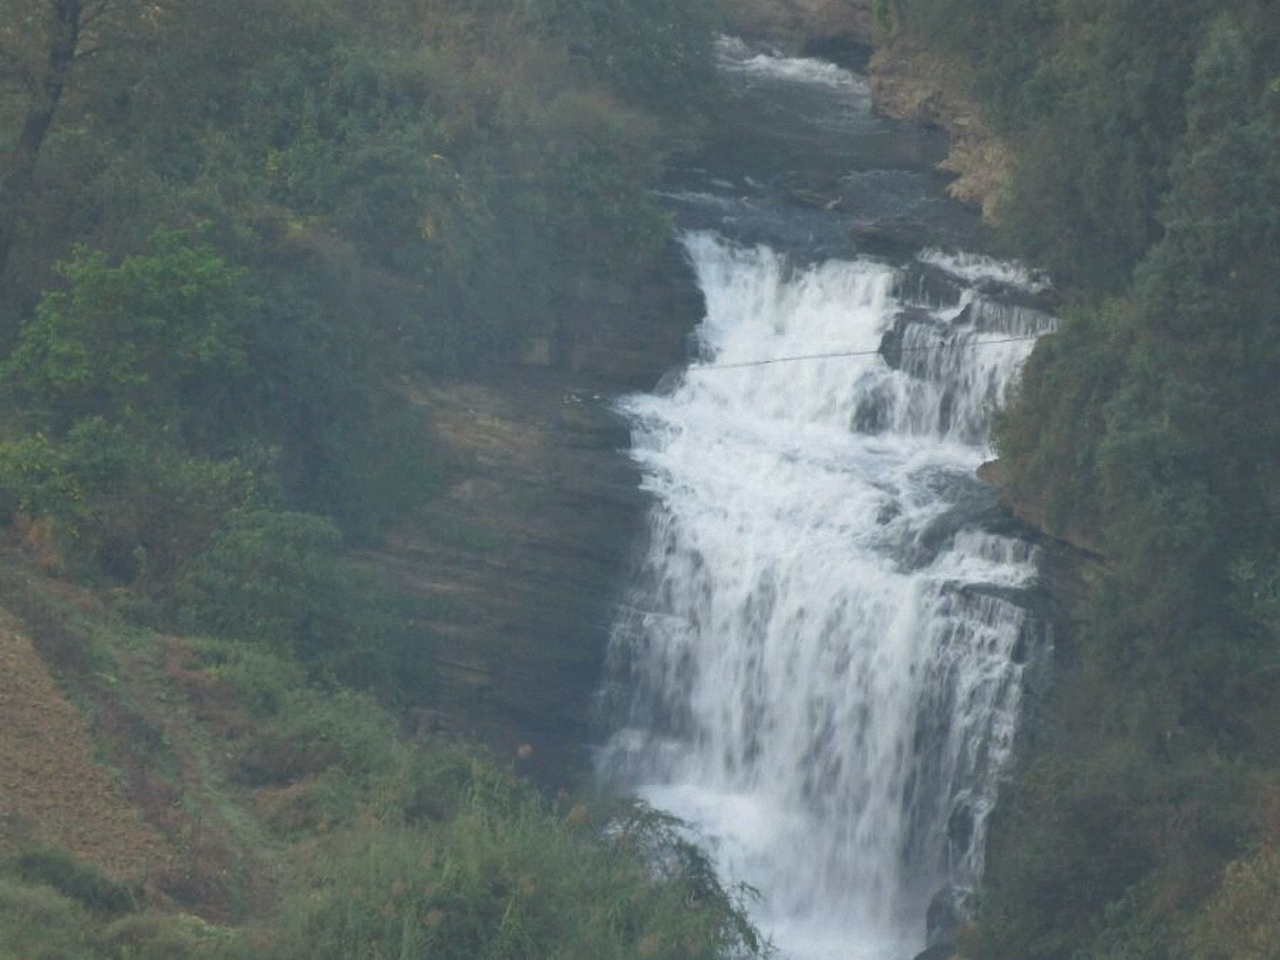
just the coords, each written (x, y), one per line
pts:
(960, 826)
(891, 344)
(943, 917)
(939, 951)
(896, 240)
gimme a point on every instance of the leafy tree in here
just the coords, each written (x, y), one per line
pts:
(59, 29)
(41, 46)
(118, 498)
(161, 338)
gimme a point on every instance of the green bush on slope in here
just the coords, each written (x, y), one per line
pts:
(509, 879)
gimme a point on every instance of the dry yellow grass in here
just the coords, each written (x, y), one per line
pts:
(913, 84)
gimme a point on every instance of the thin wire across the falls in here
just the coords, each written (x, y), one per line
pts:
(852, 353)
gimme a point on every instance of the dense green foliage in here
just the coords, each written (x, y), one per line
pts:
(427, 185)
(1148, 143)
(38, 921)
(505, 877)
(162, 338)
(234, 235)
(508, 878)
(1093, 94)
(488, 156)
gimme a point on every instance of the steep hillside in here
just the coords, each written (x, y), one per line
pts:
(1142, 172)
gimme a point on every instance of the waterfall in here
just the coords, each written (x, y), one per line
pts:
(819, 667)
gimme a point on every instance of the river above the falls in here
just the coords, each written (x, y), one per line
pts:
(819, 663)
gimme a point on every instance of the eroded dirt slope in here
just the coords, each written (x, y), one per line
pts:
(53, 787)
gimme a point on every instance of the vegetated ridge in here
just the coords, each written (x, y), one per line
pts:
(1142, 145)
(304, 310)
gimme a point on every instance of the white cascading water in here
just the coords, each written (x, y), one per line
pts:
(821, 659)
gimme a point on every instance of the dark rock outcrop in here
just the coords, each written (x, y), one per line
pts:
(512, 572)
(939, 951)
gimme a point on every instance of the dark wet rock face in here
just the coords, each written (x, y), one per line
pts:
(940, 951)
(514, 571)
(942, 920)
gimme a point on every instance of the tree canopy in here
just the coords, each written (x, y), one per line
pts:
(1147, 180)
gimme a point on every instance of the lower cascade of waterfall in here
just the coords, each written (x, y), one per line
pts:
(820, 665)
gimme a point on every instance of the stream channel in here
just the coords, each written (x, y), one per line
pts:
(819, 663)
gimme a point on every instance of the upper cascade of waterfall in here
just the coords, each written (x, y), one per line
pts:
(737, 57)
(942, 370)
(976, 267)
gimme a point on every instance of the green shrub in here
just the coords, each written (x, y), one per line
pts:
(317, 731)
(38, 923)
(270, 576)
(505, 882)
(1242, 920)
(281, 578)
(59, 869)
(433, 782)
(122, 498)
(263, 679)
(161, 338)
(165, 936)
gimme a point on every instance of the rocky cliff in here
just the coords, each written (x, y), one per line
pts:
(517, 565)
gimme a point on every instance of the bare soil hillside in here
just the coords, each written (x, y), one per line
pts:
(53, 787)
